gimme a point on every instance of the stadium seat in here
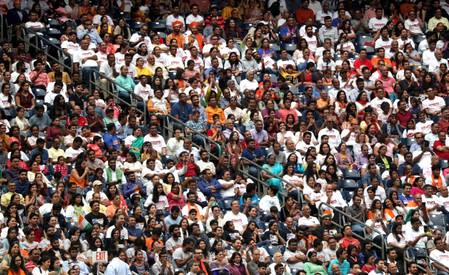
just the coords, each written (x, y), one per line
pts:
(162, 35)
(248, 26)
(54, 41)
(53, 32)
(349, 184)
(157, 26)
(39, 93)
(438, 221)
(136, 26)
(275, 47)
(53, 23)
(366, 42)
(290, 48)
(351, 174)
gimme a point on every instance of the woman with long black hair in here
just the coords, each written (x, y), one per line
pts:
(80, 173)
(158, 198)
(17, 266)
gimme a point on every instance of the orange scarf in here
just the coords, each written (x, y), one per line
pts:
(389, 214)
(437, 183)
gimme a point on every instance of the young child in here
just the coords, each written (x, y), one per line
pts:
(62, 168)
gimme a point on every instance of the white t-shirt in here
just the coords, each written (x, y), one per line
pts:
(434, 105)
(266, 202)
(240, 220)
(312, 42)
(377, 24)
(227, 193)
(34, 25)
(413, 26)
(39, 271)
(411, 234)
(323, 65)
(71, 47)
(158, 142)
(299, 265)
(424, 127)
(250, 85)
(310, 221)
(192, 18)
(144, 91)
(380, 43)
(441, 256)
(72, 153)
(179, 254)
(80, 54)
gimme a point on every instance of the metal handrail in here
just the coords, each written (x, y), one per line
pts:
(341, 225)
(27, 32)
(206, 138)
(110, 81)
(261, 182)
(59, 49)
(116, 97)
(252, 163)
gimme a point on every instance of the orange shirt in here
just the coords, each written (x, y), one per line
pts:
(198, 38)
(80, 183)
(210, 112)
(179, 39)
(376, 60)
(150, 241)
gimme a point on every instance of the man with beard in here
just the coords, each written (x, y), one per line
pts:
(175, 241)
(174, 218)
(413, 269)
(95, 217)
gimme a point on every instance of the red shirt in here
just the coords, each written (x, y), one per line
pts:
(37, 233)
(302, 14)
(346, 242)
(441, 155)
(404, 118)
(359, 63)
(444, 124)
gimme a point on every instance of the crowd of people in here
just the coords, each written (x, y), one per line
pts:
(336, 110)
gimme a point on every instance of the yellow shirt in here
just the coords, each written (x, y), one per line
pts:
(5, 200)
(54, 154)
(65, 77)
(143, 71)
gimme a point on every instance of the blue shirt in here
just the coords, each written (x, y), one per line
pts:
(136, 232)
(111, 141)
(42, 152)
(204, 186)
(131, 187)
(284, 30)
(94, 36)
(181, 111)
(252, 154)
(22, 187)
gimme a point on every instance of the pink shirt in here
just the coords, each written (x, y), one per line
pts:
(41, 80)
(387, 84)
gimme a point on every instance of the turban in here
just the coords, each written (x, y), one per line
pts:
(177, 24)
(194, 25)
